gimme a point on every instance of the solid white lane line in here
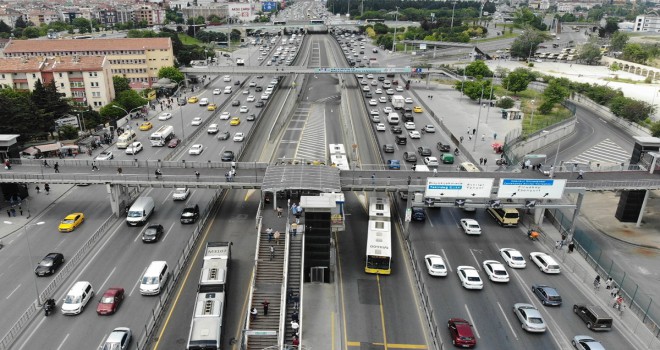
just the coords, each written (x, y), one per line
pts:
(474, 326)
(106, 279)
(13, 291)
(507, 320)
(63, 341)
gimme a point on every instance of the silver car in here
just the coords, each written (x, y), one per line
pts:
(119, 339)
(584, 342)
(529, 317)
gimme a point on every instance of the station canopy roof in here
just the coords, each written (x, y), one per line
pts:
(301, 177)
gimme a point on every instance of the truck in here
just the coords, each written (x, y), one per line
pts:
(161, 136)
(398, 101)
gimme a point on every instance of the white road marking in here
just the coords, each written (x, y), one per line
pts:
(476, 331)
(63, 341)
(13, 291)
(507, 320)
(168, 231)
(107, 278)
(446, 260)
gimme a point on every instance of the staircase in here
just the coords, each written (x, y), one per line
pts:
(267, 286)
(293, 284)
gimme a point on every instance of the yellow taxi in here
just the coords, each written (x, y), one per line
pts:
(211, 107)
(146, 126)
(71, 221)
(193, 99)
(235, 121)
(417, 109)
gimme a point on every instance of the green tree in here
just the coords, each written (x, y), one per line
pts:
(235, 35)
(19, 115)
(4, 27)
(619, 40)
(380, 28)
(525, 17)
(67, 132)
(655, 129)
(31, 32)
(120, 84)
(385, 41)
(112, 113)
(611, 26)
(527, 43)
(171, 73)
(590, 53)
(82, 24)
(478, 69)
(130, 99)
(635, 53)
(505, 103)
(474, 89)
(20, 23)
(518, 80)
(50, 105)
(556, 91)
(630, 109)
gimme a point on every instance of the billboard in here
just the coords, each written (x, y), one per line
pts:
(268, 6)
(531, 188)
(242, 11)
(442, 187)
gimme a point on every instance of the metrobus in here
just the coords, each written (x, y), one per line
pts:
(280, 23)
(316, 21)
(379, 237)
(374, 20)
(338, 156)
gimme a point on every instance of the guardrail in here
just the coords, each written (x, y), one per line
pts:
(150, 164)
(143, 340)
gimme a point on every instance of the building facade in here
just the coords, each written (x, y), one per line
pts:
(647, 24)
(138, 60)
(87, 80)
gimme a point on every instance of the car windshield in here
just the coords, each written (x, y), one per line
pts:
(107, 300)
(149, 280)
(187, 213)
(535, 320)
(135, 214)
(466, 338)
(72, 299)
(67, 221)
(554, 298)
(180, 191)
(475, 226)
(46, 262)
(438, 266)
(111, 346)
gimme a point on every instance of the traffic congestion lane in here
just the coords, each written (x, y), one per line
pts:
(119, 260)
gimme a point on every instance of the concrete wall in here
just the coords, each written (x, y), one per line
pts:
(539, 140)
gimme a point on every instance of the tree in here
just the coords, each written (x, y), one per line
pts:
(630, 109)
(474, 89)
(4, 27)
(171, 73)
(518, 80)
(31, 32)
(506, 102)
(525, 45)
(20, 115)
(380, 28)
(619, 40)
(655, 129)
(525, 17)
(478, 69)
(555, 92)
(590, 53)
(82, 24)
(120, 84)
(635, 53)
(235, 35)
(385, 41)
(20, 23)
(130, 99)
(67, 132)
(112, 113)
(611, 26)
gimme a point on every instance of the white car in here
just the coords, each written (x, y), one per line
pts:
(409, 125)
(213, 129)
(470, 226)
(378, 91)
(366, 88)
(495, 271)
(216, 91)
(196, 121)
(265, 96)
(513, 258)
(530, 318)
(545, 262)
(243, 109)
(408, 100)
(389, 92)
(373, 102)
(374, 82)
(469, 277)
(165, 116)
(364, 82)
(399, 89)
(134, 148)
(119, 339)
(387, 110)
(252, 84)
(239, 136)
(196, 149)
(359, 76)
(435, 265)
(181, 194)
(431, 161)
(246, 92)
(429, 128)
(225, 116)
(105, 155)
(370, 76)
(204, 102)
(382, 99)
(226, 78)
(380, 127)
(414, 134)
(250, 98)
(374, 112)
(585, 342)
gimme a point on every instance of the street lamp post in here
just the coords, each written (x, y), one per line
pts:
(451, 28)
(474, 145)
(27, 239)
(183, 132)
(396, 19)
(531, 120)
(127, 112)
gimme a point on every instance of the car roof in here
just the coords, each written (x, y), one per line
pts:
(434, 258)
(549, 290)
(117, 334)
(112, 291)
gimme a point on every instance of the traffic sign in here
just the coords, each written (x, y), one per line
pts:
(437, 187)
(408, 215)
(531, 188)
(256, 332)
(364, 70)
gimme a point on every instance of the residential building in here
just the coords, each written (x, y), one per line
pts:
(152, 15)
(647, 24)
(138, 60)
(43, 16)
(87, 80)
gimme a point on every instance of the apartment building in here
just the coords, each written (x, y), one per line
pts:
(647, 24)
(138, 60)
(87, 80)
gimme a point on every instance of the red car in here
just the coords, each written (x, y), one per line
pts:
(110, 301)
(173, 143)
(461, 333)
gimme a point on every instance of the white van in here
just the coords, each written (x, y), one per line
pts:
(393, 118)
(126, 139)
(154, 278)
(140, 211)
(77, 298)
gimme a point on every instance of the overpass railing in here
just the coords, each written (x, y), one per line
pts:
(148, 164)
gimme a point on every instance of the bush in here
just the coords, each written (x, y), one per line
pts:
(505, 102)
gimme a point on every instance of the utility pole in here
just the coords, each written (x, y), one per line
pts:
(396, 19)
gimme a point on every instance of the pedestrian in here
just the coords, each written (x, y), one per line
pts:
(296, 301)
(7, 164)
(481, 161)
(295, 326)
(495, 136)
(94, 167)
(269, 232)
(294, 316)
(615, 290)
(597, 282)
(474, 131)
(197, 175)
(37, 189)
(13, 212)
(571, 246)
(279, 211)
(551, 173)
(46, 165)
(119, 171)
(226, 177)
(289, 297)
(468, 130)
(373, 178)
(47, 188)
(608, 283)
(253, 314)
(56, 167)
(20, 210)
(409, 179)
(558, 245)
(8, 212)
(293, 228)
(276, 235)
(233, 165)
(265, 303)
(272, 252)
(580, 175)
(295, 341)
(483, 137)
(435, 171)
(461, 138)
(485, 160)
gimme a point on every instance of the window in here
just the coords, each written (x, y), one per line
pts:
(96, 94)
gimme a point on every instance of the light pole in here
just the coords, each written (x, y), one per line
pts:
(127, 112)
(27, 239)
(490, 97)
(396, 19)
(474, 145)
(531, 120)
(451, 28)
(183, 131)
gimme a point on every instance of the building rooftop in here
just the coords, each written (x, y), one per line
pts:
(68, 45)
(52, 64)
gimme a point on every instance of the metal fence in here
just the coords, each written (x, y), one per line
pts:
(638, 301)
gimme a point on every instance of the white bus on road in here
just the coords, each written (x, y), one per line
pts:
(162, 136)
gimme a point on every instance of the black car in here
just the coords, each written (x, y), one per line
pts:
(369, 95)
(407, 110)
(424, 151)
(227, 156)
(49, 264)
(190, 214)
(235, 103)
(260, 104)
(410, 157)
(443, 147)
(396, 129)
(225, 135)
(388, 148)
(237, 82)
(400, 139)
(381, 78)
(547, 295)
(258, 89)
(418, 214)
(251, 117)
(152, 233)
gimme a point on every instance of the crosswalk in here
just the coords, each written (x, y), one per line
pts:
(606, 151)
(312, 144)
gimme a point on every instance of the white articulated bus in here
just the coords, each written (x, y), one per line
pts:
(379, 237)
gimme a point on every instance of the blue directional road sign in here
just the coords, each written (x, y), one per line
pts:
(531, 188)
(364, 70)
(268, 6)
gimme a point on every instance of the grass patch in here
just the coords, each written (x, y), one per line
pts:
(188, 40)
(539, 121)
(624, 80)
(506, 35)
